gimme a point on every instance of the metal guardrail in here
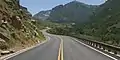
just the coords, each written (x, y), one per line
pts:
(102, 46)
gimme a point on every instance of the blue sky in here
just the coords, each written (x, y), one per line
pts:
(35, 6)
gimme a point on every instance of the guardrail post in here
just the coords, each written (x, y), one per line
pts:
(115, 52)
(95, 44)
(109, 50)
(102, 46)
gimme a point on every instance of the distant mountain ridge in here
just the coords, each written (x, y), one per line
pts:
(42, 15)
(71, 12)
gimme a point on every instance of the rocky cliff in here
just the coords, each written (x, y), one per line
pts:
(17, 29)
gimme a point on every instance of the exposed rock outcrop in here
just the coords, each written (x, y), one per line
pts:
(16, 27)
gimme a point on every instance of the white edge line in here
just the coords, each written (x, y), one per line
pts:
(96, 50)
(22, 51)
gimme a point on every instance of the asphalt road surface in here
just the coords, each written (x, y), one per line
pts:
(76, 51)
(46, 51)
(72, 50)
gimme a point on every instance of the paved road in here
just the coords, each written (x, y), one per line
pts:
(72, 50)
(47, 51)
(76, 51)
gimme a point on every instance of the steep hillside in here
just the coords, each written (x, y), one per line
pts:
(71, 12)
(17, 30)
(105, 22)
(42, 15)
(104, 25)
(25, 10)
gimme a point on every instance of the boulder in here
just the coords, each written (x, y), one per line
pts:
(2, 36)
(6, 52)
(9, 1)
(16, 22)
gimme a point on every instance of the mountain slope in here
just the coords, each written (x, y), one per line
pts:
(71, 12)
(105, 22)
(104, 25)
(42, 15)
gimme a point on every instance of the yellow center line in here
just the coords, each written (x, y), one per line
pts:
(62, 50)
(60, 54)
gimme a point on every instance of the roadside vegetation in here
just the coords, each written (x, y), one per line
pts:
(104, 25)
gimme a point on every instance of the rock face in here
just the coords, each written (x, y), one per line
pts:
(16, 27)
(25, 11)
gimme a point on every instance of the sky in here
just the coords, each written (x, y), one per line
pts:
(35, 6)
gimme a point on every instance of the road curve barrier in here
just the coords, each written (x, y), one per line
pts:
(113, 50)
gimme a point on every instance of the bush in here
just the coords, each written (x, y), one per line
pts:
(3, 46)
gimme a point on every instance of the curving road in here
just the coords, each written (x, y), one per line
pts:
(72, 50)
(46, 51)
